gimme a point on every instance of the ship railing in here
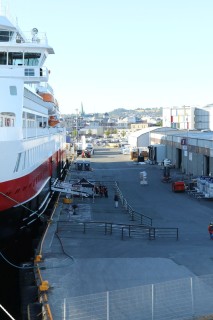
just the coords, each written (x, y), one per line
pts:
(39, 132)
(40, 38)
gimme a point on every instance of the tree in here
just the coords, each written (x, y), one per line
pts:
(74, 133)
(159, 123)
(123, 133)
(107, 133)
(89, 132)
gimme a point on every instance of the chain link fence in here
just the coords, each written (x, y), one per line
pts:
(186, 298)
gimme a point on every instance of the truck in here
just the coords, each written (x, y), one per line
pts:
(78, 148)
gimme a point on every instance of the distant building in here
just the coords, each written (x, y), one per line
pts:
(189, 118)
(203, 118)
(138, 126)
(179, 117)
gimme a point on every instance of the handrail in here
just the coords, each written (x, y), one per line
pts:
(153, 232)
(133, 214)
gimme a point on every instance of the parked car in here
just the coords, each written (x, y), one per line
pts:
(89, 148)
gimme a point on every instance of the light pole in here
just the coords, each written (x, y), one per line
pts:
(76, 125)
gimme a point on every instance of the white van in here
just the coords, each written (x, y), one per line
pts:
(125, 148)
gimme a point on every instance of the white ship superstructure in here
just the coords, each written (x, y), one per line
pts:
(32, 139)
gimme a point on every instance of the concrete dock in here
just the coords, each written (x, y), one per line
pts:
(78, 262)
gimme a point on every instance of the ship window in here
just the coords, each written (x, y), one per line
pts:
(15, 58)
(13, 90)
(6, 35)
(7, 119)
(30, 116)
(29, 72)
(31, 58)
(3, 57)
(30, 123)
(7, 122)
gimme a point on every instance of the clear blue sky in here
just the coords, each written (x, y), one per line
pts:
(125, 53)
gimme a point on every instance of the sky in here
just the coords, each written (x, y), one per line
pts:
(125, 53)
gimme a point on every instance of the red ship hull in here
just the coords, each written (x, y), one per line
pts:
(17, 192)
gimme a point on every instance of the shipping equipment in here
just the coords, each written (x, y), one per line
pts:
(178, 186)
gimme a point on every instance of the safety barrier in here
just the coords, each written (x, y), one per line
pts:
(152, 233)
(145, 229)
(186, 298)
(135, 216)
(123, 230)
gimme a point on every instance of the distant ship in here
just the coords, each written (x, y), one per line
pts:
(32, 136)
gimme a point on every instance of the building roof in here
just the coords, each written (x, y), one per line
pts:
(138, 133)
(197, 134)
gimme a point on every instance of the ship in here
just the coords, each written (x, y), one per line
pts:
(32, 133)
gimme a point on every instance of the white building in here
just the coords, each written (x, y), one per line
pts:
(204, 118)
(189, 118)
(179, 117)
(141, 138)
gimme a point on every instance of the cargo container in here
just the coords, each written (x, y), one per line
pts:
(157, 153)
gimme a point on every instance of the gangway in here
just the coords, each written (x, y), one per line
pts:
(75, 189)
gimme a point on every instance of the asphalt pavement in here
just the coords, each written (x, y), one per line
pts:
(79, 263)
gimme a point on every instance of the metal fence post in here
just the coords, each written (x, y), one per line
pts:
(192, 295)
(107, 305)
(152, 301)
(64, 317)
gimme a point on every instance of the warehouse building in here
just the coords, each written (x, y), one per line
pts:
(191, 151)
